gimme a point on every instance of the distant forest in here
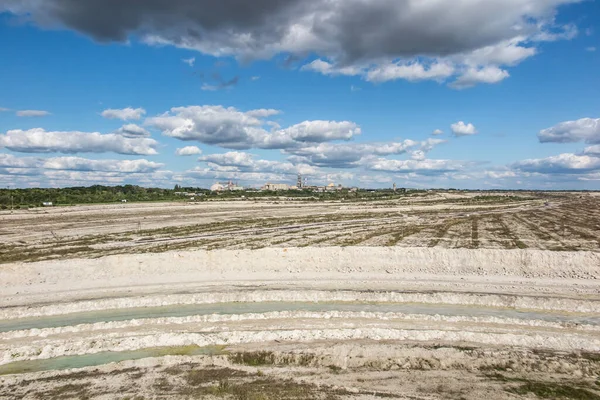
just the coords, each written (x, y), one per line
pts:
(34, 197)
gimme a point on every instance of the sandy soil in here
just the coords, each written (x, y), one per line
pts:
(549, 221)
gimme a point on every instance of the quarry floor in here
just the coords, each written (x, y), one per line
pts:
(428, 299)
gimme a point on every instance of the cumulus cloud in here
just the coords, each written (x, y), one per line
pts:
(412, 71)
(132, 131)
(352, 155)
(500, 174)
(567, 163)
(473, 76)
(437, 132)
(73, 170)
(322, 131)
(342, 33)
(236, 161)
(32, 113)
(124, 114)
(592, 151)
(230, 159)
(213, 125)
(582, 130)
(419, 166)
(39, 140)
(509, 52)
(263, 113)
(188, 151)
(462, 129)
(83, 164)
(234, 129)
(10, 161)
(327, 68)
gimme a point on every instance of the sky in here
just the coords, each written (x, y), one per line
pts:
(469, 94)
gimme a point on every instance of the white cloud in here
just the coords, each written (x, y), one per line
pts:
(509, 52)
(582, 130)
(254, 78)
(263, 113)
(132, 131)
(188, 151)
(562, 164)
(213, 125)
(437, 132)
(593, 151)
(474, 76)
(352, 155)
(32, 113)
(40, 141)
(500, 174)
(418, 155)
(2, 109)
(462, 129)
(419, 166)
(124, 114)
(189, 61)
(236, 165)
(591, 49)
(326, 68)
(83, 164)
(69, 171)
(413, 71)
(560, 32)
(10, 161)
(322, 131)
(230, 159)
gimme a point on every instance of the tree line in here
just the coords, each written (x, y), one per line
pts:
(35, 197)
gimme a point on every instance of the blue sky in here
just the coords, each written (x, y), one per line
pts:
(347, 91)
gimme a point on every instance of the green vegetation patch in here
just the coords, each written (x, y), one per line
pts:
(546, 390)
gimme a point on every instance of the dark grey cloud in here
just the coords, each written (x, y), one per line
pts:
(345, 30)
(115, 20)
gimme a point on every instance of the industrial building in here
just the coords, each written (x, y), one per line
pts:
(276, 186)
(228, 187)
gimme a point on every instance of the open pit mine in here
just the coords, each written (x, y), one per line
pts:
(446, 296)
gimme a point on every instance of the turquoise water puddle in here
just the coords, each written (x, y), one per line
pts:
(92, 360)
(88, 360)
(264, 307)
